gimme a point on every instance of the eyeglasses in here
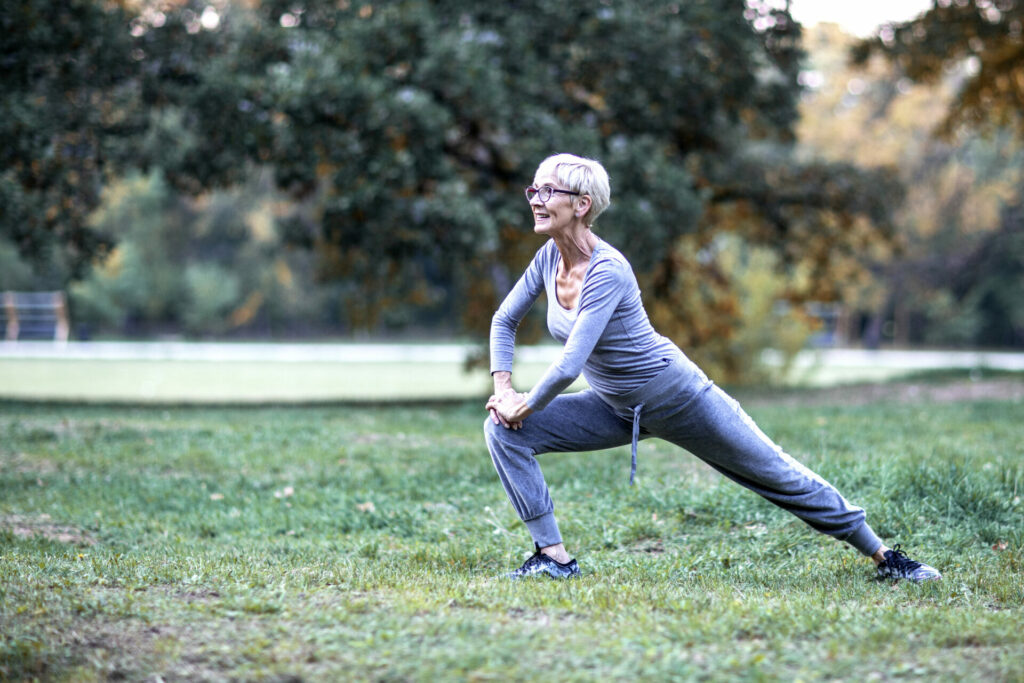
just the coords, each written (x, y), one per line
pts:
(544, 193)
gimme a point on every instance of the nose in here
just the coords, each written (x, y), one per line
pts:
(536, 200)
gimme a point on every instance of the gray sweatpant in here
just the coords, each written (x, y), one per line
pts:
(683, 407)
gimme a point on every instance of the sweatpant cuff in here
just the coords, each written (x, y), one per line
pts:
(544, 530)
(864, 540)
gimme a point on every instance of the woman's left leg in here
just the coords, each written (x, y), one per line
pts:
(717, 430)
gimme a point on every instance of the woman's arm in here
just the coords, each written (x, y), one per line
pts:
(506, 319)
(506, 406)
(502, 381)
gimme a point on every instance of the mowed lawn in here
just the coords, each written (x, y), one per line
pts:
(369, 543)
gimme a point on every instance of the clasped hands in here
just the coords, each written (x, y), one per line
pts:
(508, 408)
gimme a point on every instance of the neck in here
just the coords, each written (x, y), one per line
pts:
(576, 246)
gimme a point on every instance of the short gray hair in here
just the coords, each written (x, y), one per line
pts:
(582, 175)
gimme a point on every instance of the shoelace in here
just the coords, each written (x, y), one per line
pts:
(899, 560)
(534, 559)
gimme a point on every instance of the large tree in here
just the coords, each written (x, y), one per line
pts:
(410, 128)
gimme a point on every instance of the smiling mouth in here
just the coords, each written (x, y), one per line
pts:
(540, 216)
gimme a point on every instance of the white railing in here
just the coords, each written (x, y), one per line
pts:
(34, 315)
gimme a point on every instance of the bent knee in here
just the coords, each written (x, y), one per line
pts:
(491, 430)
(496, 433)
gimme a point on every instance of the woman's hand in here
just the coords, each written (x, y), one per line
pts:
(508, 408)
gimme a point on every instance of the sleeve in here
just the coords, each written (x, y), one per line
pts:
(603, 289)
(506, 319)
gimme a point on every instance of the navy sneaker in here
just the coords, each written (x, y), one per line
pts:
(898, 566)
(539, 563)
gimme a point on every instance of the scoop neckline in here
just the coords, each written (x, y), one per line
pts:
(590, 264)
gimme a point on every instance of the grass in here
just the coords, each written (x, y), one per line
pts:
(160, 381)
(243, 382)
(324, 543)
(145, 381)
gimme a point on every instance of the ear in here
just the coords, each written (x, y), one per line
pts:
(583, 204)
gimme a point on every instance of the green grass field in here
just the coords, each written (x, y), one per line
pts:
(138, 381)
(326, 543)
(161, 382)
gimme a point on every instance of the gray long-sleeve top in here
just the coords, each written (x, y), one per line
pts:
(607, 337)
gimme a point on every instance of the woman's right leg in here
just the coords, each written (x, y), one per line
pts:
(570, 423)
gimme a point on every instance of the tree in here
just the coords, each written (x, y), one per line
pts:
(403, 132)
(65, 99)
(987, 35)
(958, 192)
(408, 128)
(977, 46)
(208, 266)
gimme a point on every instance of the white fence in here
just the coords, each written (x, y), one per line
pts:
(34, 315)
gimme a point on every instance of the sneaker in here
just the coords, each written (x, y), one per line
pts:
(539, 563)
(898, 566)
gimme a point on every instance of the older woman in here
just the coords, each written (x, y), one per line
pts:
(640, 385)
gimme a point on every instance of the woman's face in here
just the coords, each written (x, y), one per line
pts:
(557, 214)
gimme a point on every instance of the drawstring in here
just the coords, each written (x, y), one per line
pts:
(636, 437)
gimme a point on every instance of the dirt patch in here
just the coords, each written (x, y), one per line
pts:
(958, 391)
(650, 546)
(209, 650)
(25, 526)
(201, 595)
(26, 463)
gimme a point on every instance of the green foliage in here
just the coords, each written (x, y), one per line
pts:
(140, 280)
(970, 267)
(986, 35)
(403, 131)
(212, 266)
(988, 285)
(339, 543)
(672, 97)
(212, 291)
(66, 103)
(763, 320)
(958, 262)
(15, 274)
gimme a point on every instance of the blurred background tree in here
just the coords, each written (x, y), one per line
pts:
(67, 95)
(206, 267)
(938, 99)
(983, 39)
(280, 168)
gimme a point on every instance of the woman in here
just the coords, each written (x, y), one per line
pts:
(641, 385)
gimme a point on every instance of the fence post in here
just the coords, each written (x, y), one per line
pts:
(11, 333)
(61, 327)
